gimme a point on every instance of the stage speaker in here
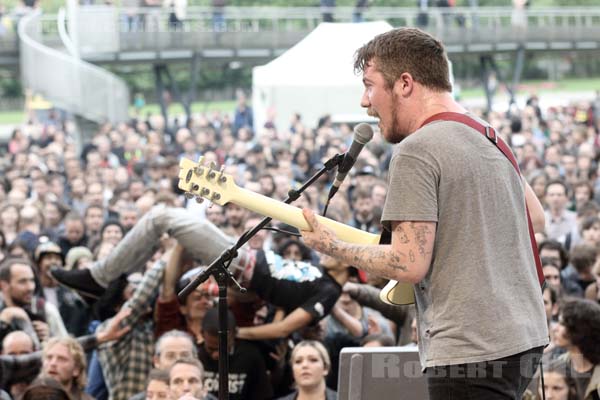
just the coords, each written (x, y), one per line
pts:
(379, 373)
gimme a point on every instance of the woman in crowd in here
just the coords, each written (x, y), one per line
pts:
(310, 365)
(558, 385)
(578, 331)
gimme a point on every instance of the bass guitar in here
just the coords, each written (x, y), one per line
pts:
(207, 182)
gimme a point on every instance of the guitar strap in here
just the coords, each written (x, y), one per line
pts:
(490, 133)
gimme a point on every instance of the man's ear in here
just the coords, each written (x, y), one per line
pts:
(404, 85)
(155, 361)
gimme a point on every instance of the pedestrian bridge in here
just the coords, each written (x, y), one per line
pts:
(105, 34)
(57, 53)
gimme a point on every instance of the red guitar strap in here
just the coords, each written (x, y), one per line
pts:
(490, 133)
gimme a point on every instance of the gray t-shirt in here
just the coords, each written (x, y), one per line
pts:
(481, 299)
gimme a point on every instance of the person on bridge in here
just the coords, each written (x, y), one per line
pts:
(457, 212)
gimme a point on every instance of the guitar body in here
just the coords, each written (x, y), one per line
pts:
(211, 184)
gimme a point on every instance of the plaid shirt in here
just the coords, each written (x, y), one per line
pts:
(127, 362)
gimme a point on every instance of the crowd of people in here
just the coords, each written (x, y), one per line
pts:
(109, 221)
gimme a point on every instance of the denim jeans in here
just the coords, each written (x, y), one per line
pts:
(200, 238)
(504, 378)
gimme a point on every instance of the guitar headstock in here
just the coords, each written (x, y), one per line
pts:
(205, 182)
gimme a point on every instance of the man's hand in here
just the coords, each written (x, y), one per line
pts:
(351, 288)
(42, 330)
(113, 330)
(319, 238)
(10, 313)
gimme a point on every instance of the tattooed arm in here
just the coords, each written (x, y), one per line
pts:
(407, 259)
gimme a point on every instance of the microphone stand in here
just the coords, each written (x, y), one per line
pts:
(219, 269)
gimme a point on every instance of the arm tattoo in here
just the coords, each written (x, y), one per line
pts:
(403, 237)
(420, 233)
(366, 258)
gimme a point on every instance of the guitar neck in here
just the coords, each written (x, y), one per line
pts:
(293, 216)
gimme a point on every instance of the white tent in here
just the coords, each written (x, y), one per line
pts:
(315, 77)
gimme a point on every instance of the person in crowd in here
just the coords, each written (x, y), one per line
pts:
(184, 314)
(378, 340)
(552, 274)
(247, 371)
(73, 310)
(310, 365)
(78, 258)
(590, 231)
(46, 388)
(74, 234)
(18, 287)
(171, 346)
(24, 367)
(93, 219)
(306, 294)
(423, 222)
(186, 380)
(561, 223)
(558, 384)
(64, 360)
(593, 291)
(577, 330)
(578, 276)
(16, 343)
(125, 363)
(363, 216)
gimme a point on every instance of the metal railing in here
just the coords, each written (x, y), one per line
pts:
(276, 29)
(69, 83)
(270, 27)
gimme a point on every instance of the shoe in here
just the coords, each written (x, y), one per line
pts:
(79, 280)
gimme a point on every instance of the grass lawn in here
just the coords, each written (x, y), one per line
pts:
(198, 107)
(8, 117)
(11, 117)
(541, 87)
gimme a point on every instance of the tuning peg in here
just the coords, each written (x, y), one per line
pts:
(215, 197)
(221, 178)
(198, 170)
(211, 172)
(188, 176)
(195, 187)
(188, 195)
(199, 199)
(205, 192)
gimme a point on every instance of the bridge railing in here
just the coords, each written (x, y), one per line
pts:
(70, 83)
(278, 28)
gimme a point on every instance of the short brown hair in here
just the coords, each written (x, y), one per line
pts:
(407, 50)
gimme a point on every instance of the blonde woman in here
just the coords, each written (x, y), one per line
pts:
(310, 365)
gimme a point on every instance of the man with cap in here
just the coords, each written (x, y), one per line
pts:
(73, 310)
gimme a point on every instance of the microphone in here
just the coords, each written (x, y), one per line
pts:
(362, 134)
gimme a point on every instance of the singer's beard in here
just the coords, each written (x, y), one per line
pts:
(392, 133)
(395, 134)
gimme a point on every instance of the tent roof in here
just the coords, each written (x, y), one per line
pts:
(323, 58)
